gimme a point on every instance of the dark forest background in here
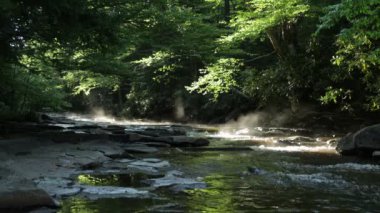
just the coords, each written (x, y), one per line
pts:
(190, 60)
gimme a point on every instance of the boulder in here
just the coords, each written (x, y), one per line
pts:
(22, 193)
(376, 154)
(346, 145)
(25, 198)
(366, 140)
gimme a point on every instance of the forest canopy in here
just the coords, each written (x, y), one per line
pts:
(207, 58)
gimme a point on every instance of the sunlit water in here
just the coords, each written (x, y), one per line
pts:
(291, 170)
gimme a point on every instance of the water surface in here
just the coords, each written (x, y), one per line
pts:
(281, 169)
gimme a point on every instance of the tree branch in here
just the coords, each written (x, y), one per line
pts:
(260, 57)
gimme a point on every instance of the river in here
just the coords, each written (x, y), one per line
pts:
(250, 169)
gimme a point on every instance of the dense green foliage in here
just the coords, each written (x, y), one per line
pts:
(200, 59)
(357, 54)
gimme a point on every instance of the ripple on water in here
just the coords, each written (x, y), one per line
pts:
(312, 180)
(341, 167)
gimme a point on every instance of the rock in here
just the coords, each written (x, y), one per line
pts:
(24, 198)
(256, 171)
(139, 148)
(91, 166)
(152, 160)
(167, 208)
(16, 127)
(106, 147)
(150, 163)
(89, 126)
(57, 187)
(96, 192)
(176, 182)
(122, 156)
(71, 136)
(346, 145)
(86, 157)
(130, 137)
(182, 187)
(376, 154)
(158, 131)
(115, 129)
(125, 160)
(366, 140)
(143, 169)
(156, 144)
(97, 131)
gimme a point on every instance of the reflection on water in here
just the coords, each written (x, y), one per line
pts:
(291, 182)
(126, 180)
(122, 205)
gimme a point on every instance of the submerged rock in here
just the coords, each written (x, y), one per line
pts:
(176, 183)
(256, 171)
(366, 140)
(167, 208)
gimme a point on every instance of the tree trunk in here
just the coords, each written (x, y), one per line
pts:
(275, 40)
(227, 10)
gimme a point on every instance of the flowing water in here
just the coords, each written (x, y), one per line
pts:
(258, 169)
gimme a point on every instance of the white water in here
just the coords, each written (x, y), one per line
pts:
(324, 149)
(340, 167)
(297, 143)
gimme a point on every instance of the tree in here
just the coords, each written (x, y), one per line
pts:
(41, 39)
(358, 51)
(273, 21)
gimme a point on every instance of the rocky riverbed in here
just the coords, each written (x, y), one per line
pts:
(43, 163)
(69, 164)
